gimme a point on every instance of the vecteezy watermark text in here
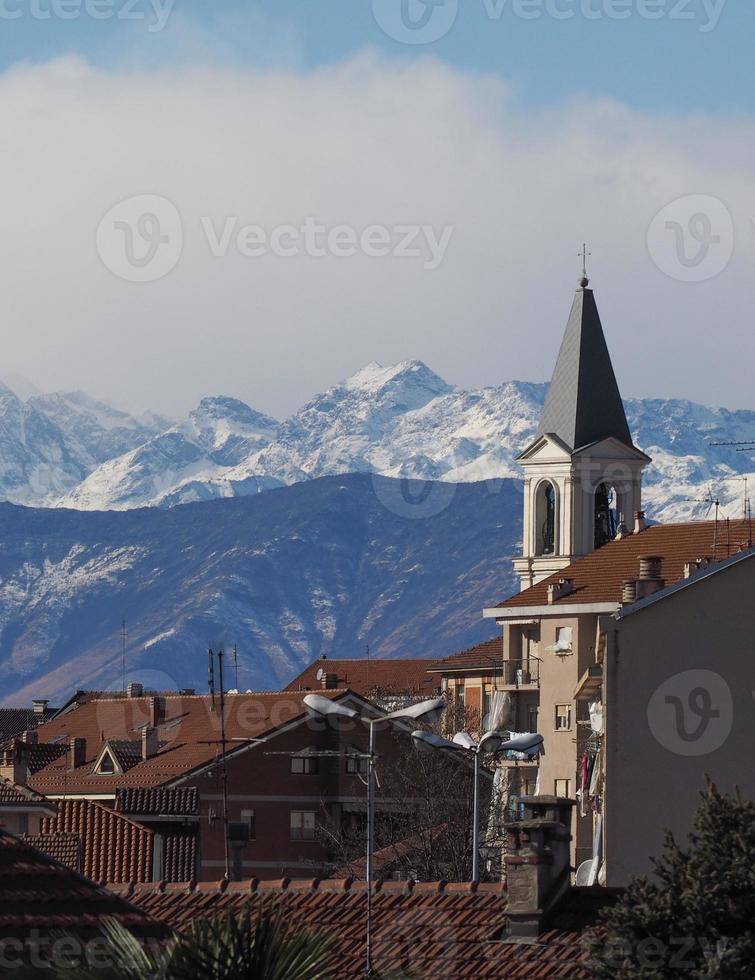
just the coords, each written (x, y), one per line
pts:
(154, 12)
(141, 239)
(340, 241)
(427, 21)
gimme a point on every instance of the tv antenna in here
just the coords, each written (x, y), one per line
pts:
(236, 664)
(711, 501)
(123, 652)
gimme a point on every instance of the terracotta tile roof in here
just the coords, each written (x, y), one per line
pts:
(11, 794)
(598, 577)
(40, 895)
(113, 847)
(367, 676)
(13, 721)
(180, 851)
(485, 655)
(440, 930)
(65, 848)
(127, 752)
(156, 801)
(188, 739)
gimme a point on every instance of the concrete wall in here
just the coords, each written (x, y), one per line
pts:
(700, 639)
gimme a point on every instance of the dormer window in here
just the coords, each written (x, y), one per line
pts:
(106, 765)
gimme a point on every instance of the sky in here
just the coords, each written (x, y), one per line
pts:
(257, 199)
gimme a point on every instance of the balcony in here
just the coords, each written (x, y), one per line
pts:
(521, 674)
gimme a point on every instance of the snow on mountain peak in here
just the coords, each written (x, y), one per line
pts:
(406, 376)
(397, 420)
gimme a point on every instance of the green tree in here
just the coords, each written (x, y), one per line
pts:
(695, 917)
(261, 946)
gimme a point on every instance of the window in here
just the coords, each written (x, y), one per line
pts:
(355, 761)
(545, 519)
(563, 717)
(304, 765)
(528, 787)
(461, 695)
(563, 787)
(302, 825)
(606, 514)
(487, 701)
(106, 766)
(564, 639)
(249, 817)
(531, 717)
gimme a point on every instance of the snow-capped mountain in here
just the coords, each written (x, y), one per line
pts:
(327, 566)
(49, 443)
(404, 420)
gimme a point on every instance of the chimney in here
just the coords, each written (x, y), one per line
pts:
(78, 747)
(557, 590)
(30, 737)
(156, 711)
(134, 690)
(14, 766)
(329, 682)
(629, 591)
(150, 743)
(538, 869)
(650, 580)
(639, 522)
(39, 705)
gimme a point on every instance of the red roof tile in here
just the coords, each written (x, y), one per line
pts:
(188, 738)
(438, 930)
(156, 801)
(113, 847)
(485, 655)
(13, 795)
(65, 848)
(366, 677)
(599, 576)
(40, 895)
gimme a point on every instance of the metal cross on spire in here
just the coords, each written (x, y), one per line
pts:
(584, 254)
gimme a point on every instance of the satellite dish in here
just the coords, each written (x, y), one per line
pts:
(584, 873)
(320, 674)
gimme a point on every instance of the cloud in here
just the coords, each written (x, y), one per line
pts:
(367, 142)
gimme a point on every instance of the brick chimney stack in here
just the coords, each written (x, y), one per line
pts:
(14, 765)
(538, 869)
(150, 742)
(78, 752)
(156, 711)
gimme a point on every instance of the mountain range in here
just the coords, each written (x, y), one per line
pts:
(67, 450)
(330, 566)
(392, 503)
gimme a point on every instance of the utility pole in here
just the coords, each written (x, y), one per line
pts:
(123, 652)
(224, 771)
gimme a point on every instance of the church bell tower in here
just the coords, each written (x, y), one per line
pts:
(582, 473)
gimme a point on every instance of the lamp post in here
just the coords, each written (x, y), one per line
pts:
(423, 711)
(490, 742)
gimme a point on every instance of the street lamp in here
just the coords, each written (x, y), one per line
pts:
(490, 742)
(423, 711)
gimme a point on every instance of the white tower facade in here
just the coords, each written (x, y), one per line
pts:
(582, 473)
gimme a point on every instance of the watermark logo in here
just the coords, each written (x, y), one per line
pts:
(692, 713)
(414, 500)
(141, 239)
(415, 21)
(692, 238)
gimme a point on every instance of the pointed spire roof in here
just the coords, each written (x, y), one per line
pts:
(584, 404)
